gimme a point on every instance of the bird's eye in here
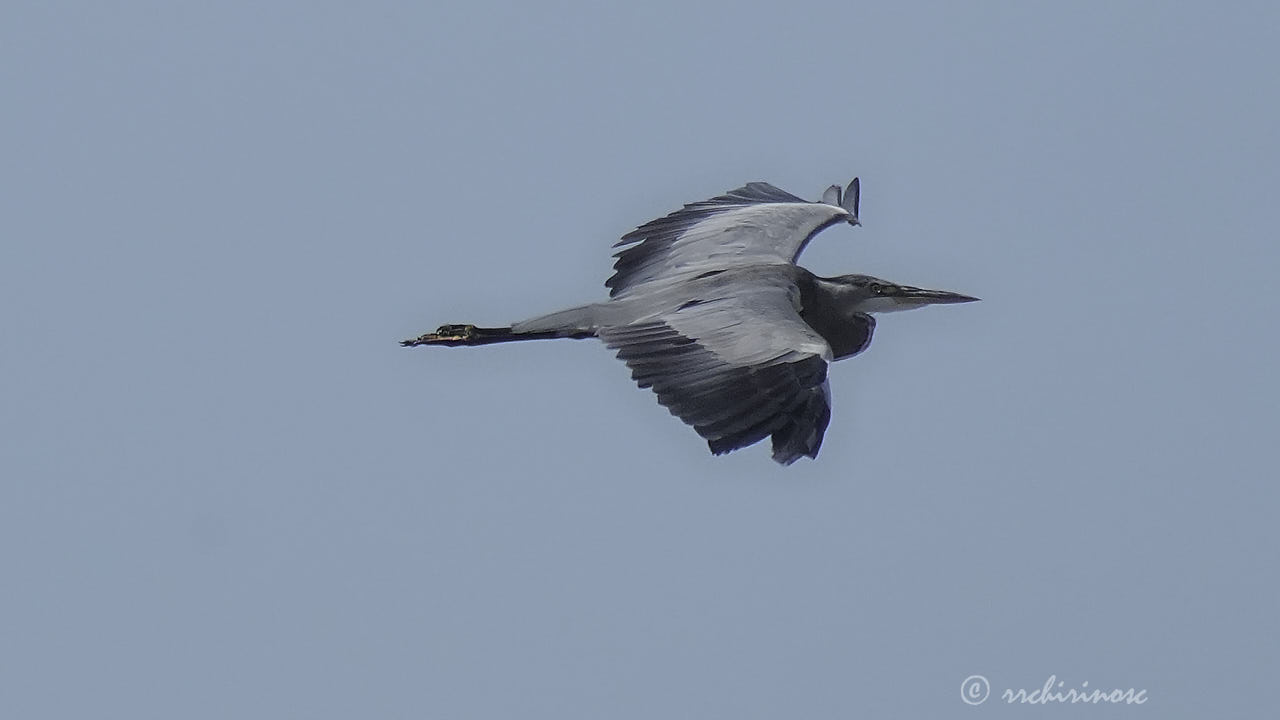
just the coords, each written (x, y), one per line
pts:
(876, 288)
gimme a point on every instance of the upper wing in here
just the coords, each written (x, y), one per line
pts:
(756, 224)
(738, 366)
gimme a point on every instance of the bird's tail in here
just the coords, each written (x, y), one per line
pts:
(573, 323)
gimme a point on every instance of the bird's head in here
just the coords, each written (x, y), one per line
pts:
(872, 295)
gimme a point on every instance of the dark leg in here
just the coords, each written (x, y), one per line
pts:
(453, 335)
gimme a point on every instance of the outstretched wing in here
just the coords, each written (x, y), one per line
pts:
(757, 224)
(738, 364)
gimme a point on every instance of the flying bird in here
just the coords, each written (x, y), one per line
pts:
(709, 310)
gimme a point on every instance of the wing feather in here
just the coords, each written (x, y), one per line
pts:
(756, 224)
(737, 367)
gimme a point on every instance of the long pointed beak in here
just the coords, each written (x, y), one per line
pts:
(921, 296)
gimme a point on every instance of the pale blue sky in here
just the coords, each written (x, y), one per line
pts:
(228, 493)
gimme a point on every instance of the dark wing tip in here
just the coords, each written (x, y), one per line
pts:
(851, 198)
(802, 439)
(755, 192)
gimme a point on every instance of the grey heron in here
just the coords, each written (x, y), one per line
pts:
(709, 309)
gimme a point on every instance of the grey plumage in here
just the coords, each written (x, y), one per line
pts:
(755, 224)
(709, 310)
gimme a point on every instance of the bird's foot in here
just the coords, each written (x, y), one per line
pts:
(444, 335)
